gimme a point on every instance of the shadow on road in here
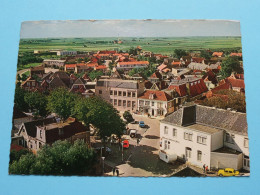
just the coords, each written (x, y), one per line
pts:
(145, 158)
(151, 137)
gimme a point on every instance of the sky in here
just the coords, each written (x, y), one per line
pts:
(129, 28)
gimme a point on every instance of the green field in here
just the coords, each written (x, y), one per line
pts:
(163, 45)
(28, 66)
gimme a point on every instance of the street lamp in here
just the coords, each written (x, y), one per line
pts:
(103, 170)
(122, 151)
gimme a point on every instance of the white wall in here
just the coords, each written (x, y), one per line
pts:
(238, 143)
(217, 140)
(178, 144)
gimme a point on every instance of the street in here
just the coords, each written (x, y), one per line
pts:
(142, 160)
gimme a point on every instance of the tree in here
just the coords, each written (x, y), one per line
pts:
(231, 64)
(128, 116)
(206, 54)
(19, 101)
(95, 74)
(62, 158)
(16, 155)
(61, 102)
(37, 102)
(179, 53)
(105, 118)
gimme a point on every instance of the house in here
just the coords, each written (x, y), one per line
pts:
(204, 135)
(19, 117)
(210, 79)
(82, 67)
(198, 60)
(70, 67)
(54, 63)
(126, 66)
(197, 66)
(157, 103)
(195, 87)
(35, 134)
(161, 67)
(155, 77)
(37, 70)
(218, 54)
(122, 94)
(30, 84)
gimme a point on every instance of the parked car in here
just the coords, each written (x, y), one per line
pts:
(125, 144)
(227, 172)
(141, 124)
(132, 133)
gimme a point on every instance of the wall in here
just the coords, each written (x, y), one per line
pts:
(178, 144)
(225, 160)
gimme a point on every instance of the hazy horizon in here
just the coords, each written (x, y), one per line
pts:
(129, 28)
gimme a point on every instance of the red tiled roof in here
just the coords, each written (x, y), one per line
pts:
(217, 54)
(236, 54)
(197, 59)
(166, 70)
(70, 65)
(198, 88)
(180, 89)
(176, 63)
(161, 67)
(236, 82)
(134, 62)
(156, 75)
(157, 95)
(92, 64)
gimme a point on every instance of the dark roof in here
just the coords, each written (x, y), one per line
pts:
(127, 84)
(213, 117)
(18, 113)
(31, 126)
(69, 128)
(187, 172)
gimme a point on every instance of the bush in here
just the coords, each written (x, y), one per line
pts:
(128, 116)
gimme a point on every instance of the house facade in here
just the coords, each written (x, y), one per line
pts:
(126, 66)
(122, 94)
(203, 135)
(35, 134)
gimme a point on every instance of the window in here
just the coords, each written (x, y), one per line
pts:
(120, 93)
(128, 103)
(188, 136)
(174, 132)
(119, 102)
(115, 92)
(147, 103)
(111, 92)
(100, 91)
(199, 155)
(111, 101)
(61, 132)
(133, 103)
(141, 102)
(40, 144)
(115, 102)
(246, 162)
(133, 94)
(165, 130)
(124, 103)
(167, 144)
(246, 142)
(40, 133)
(188, 152)
(124, 93)
(152, 103)
(201, 140)
(128, 94)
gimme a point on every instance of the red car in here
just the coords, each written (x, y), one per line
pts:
(125, 144)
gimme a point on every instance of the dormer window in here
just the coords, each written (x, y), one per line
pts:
(61, 132)
(151, 96)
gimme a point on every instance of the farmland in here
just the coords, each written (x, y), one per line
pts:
(163, 45)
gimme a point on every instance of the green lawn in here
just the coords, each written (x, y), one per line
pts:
(27, 66)
(163, 45)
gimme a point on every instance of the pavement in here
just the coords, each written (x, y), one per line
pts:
(141, 160)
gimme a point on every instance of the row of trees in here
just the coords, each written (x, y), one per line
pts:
(92, 110)
(27, 58)
(62, 158)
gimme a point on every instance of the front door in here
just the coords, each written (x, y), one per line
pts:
(152, 112)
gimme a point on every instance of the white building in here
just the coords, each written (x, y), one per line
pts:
(66, 53)
(204, 135)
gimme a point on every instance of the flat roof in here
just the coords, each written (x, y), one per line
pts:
(203, 128)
